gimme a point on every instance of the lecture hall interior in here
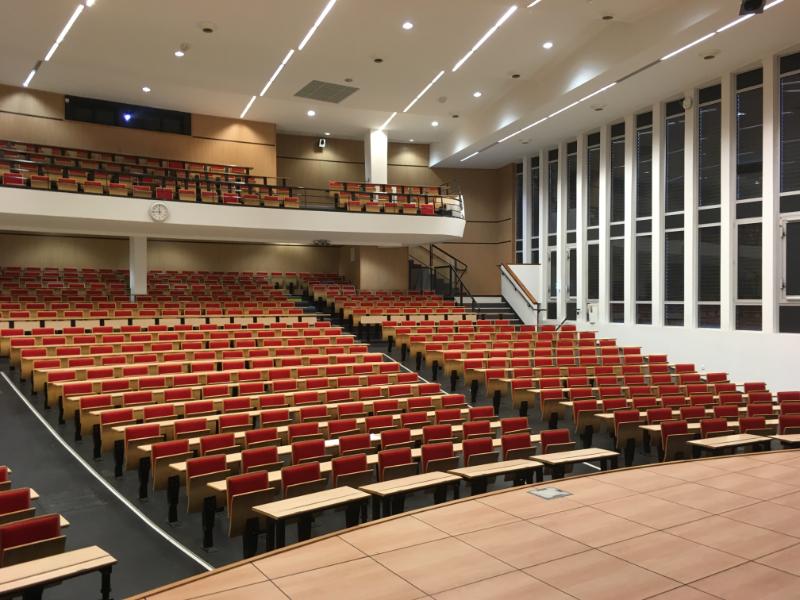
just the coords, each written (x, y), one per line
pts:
(400, 299)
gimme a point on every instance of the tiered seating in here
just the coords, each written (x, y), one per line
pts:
(389, 198)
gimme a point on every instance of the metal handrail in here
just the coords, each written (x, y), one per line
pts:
(454, 274)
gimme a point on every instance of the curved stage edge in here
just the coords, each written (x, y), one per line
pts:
(722, 527)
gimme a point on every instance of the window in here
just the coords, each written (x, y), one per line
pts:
(749, 169)
(552, 233)
(644, 222)
(518, 235)
(617, 280)
(535, 182)
(592, 217)
(617, 229)
(617, 213)
(673, 218)
(708, 217)
(572, 215)
(789, 315)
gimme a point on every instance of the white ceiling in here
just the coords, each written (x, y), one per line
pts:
(117, 46)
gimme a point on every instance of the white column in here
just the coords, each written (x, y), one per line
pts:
(527, 217)
(605, 214)
(543, 272)
(770, 189)
(580, 226)
(658, 213)
(376, 160)
(727, 274)
(137, 265)
(630, 218)
(690, 192)
(562, 280)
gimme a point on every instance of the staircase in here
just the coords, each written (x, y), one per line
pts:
(498, 308)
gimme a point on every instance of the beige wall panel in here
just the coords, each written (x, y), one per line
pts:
(383, 268)
(349, 264)
(23, 250)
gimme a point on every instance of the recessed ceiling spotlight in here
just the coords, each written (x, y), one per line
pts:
(547, 45)
(608, 17)
(348, 80)
(377, 60)
(477, 94)
(89, 3)
(434, 123)
(311, 113)
(408, 25)
(180, 53)
(146, 90)
(515, 76)
(598, 107)
(454, 116)
(327, 133)
(411, 140)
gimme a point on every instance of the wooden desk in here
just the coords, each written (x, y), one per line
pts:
(559, 460)
(302, 507)
(478, 476)
(388, 496)
(30, 578)
(788, 441)
(716, 445)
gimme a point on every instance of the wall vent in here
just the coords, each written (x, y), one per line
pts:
(325, 91)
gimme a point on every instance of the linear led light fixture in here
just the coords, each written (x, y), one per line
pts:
(387, 121)
(277, 72)
(317, 23)
(534, 3)
(689, 45)
(64, 32)
(28, 79)
(773, 3)
(736, 22)
(246, 108)
(470, 156)
(423, 92)
(485, 37)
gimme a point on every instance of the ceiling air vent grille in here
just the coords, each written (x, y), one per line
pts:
(326, 92)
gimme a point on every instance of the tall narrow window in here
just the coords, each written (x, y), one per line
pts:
(644, 220)
(535, 181)
(592, 217)
(749, 143)
(552, 232)
(789, 310)
(617, 228)
(708, 211)
(518, 221)
(674, 211)
(572, 214)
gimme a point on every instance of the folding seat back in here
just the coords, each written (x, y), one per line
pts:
(221, 443)
(450, 416)
(199, 472)
(396, 438)
(385, 407)
(304, 432)
(351, 409)
(732, 397)
(352, 470)
(438, 457)
(475, 429)
(437, 433)
(756, 426)
(478, 451)
(516, 445)
(760, 410)
(673, 400)
(275, 417)
(188, 428)
(790, 408)
(396, 463)
(556, 440)
(514, 425)
(378, 423)
(614, 404)
(302, 479)
(317, 412)
(243, 493)
(626, 427)
(754, 386)
(414, 419)
(702, 399)
(714, 428)
(784, 396)
(354, 444)
(197, 408)
(726, 411)
(789, 424)
(258, 438)
(29, 539)
(481, 413)
(692, 413)
(340, 427)
(229, 423)
(419, 403)
(645, 402)
(674, 438)
(453, 401)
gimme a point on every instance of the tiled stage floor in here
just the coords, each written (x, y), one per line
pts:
(719, 528)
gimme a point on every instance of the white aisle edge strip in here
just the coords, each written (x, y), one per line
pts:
(105, 483)
(402, 366)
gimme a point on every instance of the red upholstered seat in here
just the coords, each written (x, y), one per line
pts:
(28, 531)
(297, 474)
(435, 452)
(554, 436)
(246, 483)
(346, 465)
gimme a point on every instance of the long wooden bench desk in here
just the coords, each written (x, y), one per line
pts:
(388, 497)
(521, 470)
(791, 440)
(302, 508)
(717, 445)
(31, 578)
(558, 461)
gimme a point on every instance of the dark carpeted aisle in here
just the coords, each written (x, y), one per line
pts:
(96, 516)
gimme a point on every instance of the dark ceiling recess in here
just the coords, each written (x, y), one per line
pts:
(130, 116)
(325, 91)
(750, 7)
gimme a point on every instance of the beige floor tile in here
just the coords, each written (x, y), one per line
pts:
(769, 515)
(751, 581)
(792, 500)
(639, 480)
(463, 517)
(684, 593)
(734, 537)
(591, 527)
(774, 457)
(787, 559)
(363, 579)
(311, 556)
(442, 565)
(266, 590)
(591, 490)
(214, 584)
(524, 505)
(688, 471)
(754, 487)
(511, 585)
(704, 498)
(673, 557)
(594, 575)
(522, 544)
(651, 511)
(775, 472)
(391, 535)
(734, 463)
